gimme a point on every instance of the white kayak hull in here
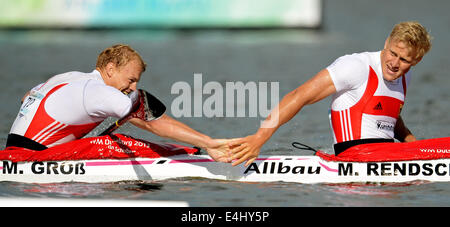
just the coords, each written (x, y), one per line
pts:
(298, 169)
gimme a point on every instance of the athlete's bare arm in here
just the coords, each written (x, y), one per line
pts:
(402, 133)
(314, 90)
(168, 127)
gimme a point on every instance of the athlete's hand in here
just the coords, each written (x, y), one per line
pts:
(218, 150)
(245, 149)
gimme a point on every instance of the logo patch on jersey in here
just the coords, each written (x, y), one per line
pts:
(378, 106)
(385, 125)
(25, 108)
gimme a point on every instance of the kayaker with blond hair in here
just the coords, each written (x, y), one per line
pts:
(368, 92)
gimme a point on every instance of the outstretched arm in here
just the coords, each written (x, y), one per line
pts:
(168, 127)
(314, 90)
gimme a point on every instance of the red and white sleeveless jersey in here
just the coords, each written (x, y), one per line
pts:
(67, 107)
(365, 105)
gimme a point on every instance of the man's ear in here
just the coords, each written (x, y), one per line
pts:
(110, 67)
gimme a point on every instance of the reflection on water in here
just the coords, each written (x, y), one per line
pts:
(377, 194)
(205, 192)
(117, 190)
(371, 189)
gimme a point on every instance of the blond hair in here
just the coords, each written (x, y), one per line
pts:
(414, 35)
(120, 55)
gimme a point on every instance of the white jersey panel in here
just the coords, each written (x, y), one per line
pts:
(105, 101)
(84, 99)
(350, 75)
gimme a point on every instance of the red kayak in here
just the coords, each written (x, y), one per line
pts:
(118, 157)
(428, 149)
(118, 146)
(115, 146)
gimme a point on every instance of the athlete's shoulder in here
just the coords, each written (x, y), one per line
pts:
(356, 59)
(350, 71)
(67, 78)
(72, 75)
(101, 100)
(83, 76)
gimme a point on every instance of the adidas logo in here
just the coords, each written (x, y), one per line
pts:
(378, 106)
